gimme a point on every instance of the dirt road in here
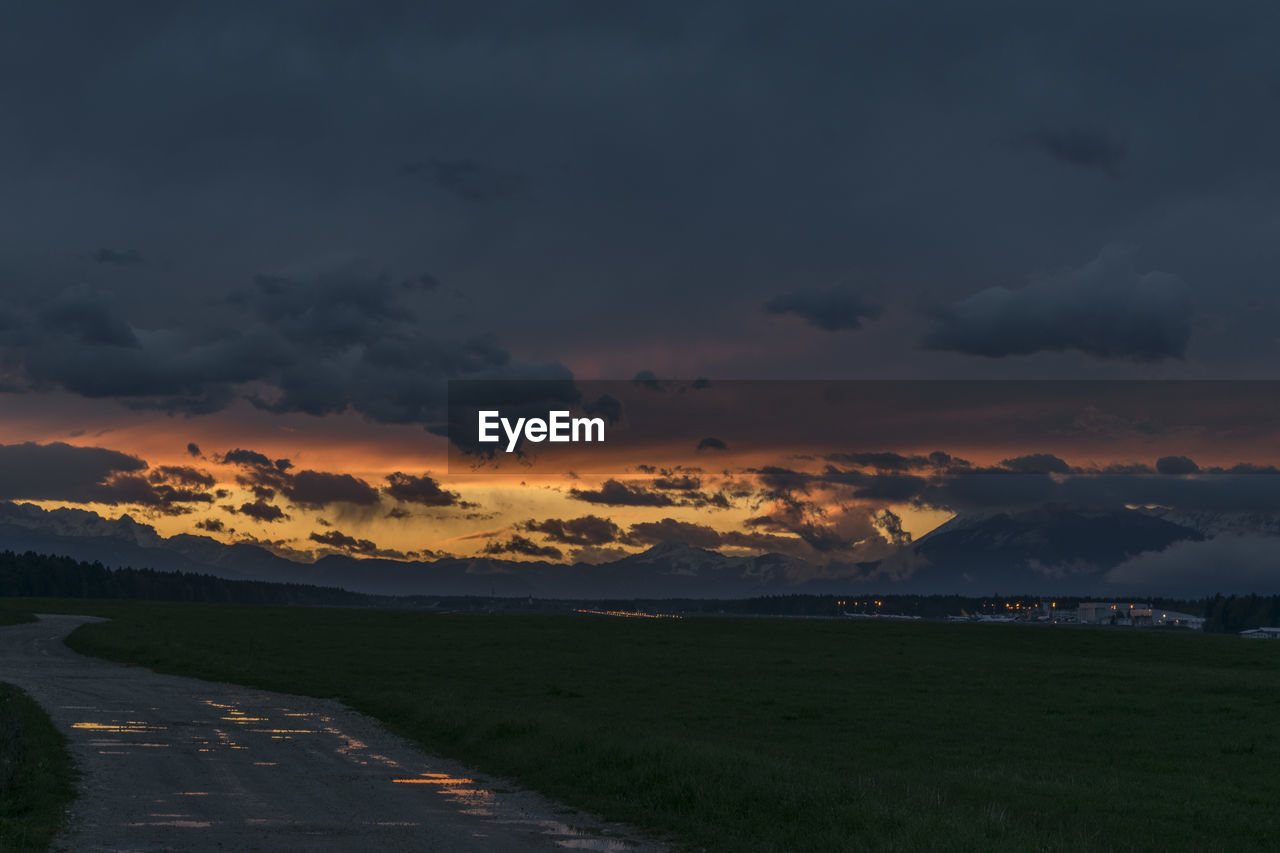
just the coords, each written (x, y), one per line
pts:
(172, 763)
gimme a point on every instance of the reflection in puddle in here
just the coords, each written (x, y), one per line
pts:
(117, 727)
(482, 802)
(230, 729)
(435, 779)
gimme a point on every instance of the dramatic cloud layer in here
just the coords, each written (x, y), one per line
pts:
(586, 530)
(294, 230)
(523, 546)
(1224, 563)
(830, 310)
(1104, 309)
(60, 471)
(65, 472)
(347, 340)
(658, 187)
(422, 490)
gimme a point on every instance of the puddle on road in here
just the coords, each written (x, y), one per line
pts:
(118, 727)
(236, 727)
(483, 802)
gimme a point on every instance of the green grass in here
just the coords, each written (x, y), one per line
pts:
(805, 735)
(12, 616)
(37, 779)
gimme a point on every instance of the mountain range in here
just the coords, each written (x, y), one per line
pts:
(1060, 550)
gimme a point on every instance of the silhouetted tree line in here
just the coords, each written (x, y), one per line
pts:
(1234, 613)
(45, 576)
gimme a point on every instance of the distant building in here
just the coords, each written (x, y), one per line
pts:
(1154, 616)
(1262, 633)
(1132, 613)
(1100, 612)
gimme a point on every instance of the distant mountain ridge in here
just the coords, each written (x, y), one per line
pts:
(666, 569)
(1063, 548)
(1046, 549)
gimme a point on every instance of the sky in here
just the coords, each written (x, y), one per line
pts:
(244, 249)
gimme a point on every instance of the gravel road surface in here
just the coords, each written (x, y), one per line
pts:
(171, 763)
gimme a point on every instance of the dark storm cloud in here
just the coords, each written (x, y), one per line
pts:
(316, 489)
(1037, 463)
(1176, 465)
(252, 458)
(148, 492)
(707, 154)
(877, 487)
(592, 532)
(946, 460)
(672, 481)
(260, 510)
(711, 443)
(343, 340)
(646, 533)
(662, 491)
(1105, 309)
(213, 525)
(58, 471)
(1029, 480)
(671, 530)
(351, 544)
(423, 490)
(779, 481)
(64, 472)
(830, 310)
(87, 317)
(525, 546)
(193, 449)
(617, 493)
(362, 349)
(584, 530)
(80, 342)
(340, 540)
(182, 474)
(1083, 148)
(125, 257)
(821, 538)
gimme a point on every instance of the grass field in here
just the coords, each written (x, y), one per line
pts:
(36, 775)
(13, 616)
(806, 735)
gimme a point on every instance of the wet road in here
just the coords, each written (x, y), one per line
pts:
(171, 763)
